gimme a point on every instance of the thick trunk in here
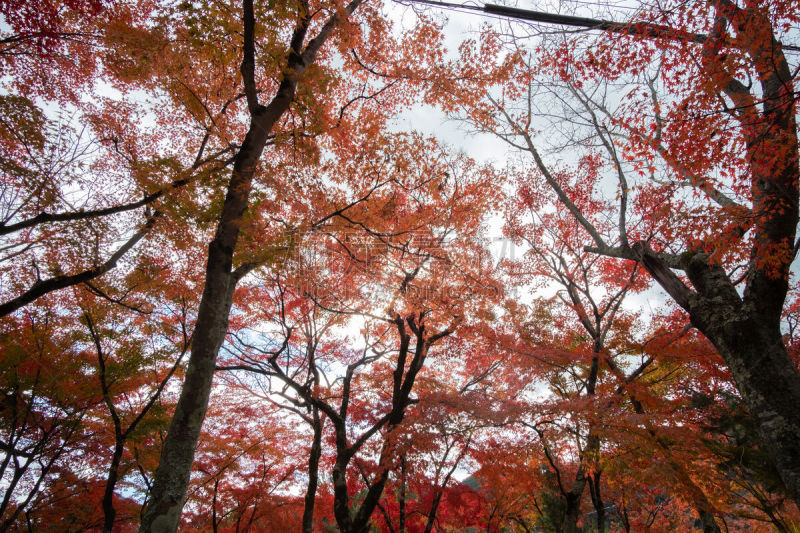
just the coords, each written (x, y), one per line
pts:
(770, 386)
(746, 329)
(707, 522)
(341, 498)
(746, 332)
(597, 501)
(172, 476)
(573, 498)
(573, 511)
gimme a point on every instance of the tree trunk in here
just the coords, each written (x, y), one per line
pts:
(746, 333)
(313, 474)
(746, 329)
(597, 501)
(404, 376)
(432, 513)
(341, 499)
(573, 511)
(109, 513)
(573, 498)
(172, 476)
(590, 452)
(770, 386)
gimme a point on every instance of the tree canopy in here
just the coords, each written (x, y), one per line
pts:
(243, 289)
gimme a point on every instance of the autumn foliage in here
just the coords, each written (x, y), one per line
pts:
(240, 291)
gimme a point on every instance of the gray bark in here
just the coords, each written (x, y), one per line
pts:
(746, 332)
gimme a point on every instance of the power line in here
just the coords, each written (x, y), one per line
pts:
(644, 29)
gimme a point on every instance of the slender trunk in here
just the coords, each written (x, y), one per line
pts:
(440, 492)
(402, 497)
(313, 474)
(626, 523)
(214, 506)
(7, 498)
(573, 498)
(597, 501)
(521, 523)
(432, 512)
(361, 521)
(252, 518)
(109, 512)
(403, 382)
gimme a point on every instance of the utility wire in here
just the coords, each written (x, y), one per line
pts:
(644, 29)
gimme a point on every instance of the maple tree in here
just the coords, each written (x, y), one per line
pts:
(112, 380)
(594, 293)
(705, 170)
(365, 401)
(653, 424)
(42, 414)
(221, 276)
(79, 184)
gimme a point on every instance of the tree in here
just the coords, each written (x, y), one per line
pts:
(299, 78)
(170, 175)
(119, 371)
(705, 167)
(403, 275)
(42, 414)
(592, 291)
